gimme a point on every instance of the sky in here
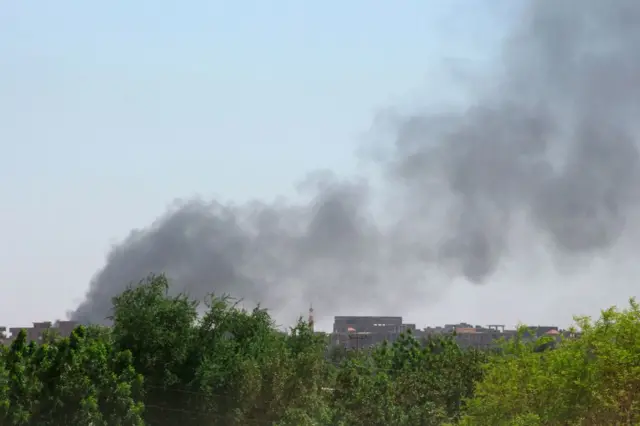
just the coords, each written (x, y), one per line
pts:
(110, 111)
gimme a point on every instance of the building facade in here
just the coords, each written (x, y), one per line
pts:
(359, 332)
(35, 333)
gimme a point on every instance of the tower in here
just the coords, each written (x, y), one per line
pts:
(310, 320)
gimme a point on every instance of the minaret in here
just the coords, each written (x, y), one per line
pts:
(311, 317)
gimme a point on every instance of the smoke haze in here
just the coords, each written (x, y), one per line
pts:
(548, 145)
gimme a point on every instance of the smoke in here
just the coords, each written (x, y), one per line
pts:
(549, 142)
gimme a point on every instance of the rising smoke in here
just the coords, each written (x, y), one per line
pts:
(549, 142)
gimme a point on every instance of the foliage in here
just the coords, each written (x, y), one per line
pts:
(591, 380)
(76, 380)
(407, 383)
(228, 366)
(169, 360)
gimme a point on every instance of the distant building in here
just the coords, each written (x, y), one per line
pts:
(65, 328)
(35, 333)
(354, 332)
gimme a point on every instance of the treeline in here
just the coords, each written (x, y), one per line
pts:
(163, 364)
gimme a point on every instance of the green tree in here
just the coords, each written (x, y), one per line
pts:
(407, 383)
(163, 363)
(590, 380)
(77, 380)
(17, 406)
(228, 366)
(158, 330)
(4, 387)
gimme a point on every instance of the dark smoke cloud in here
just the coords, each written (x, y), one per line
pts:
(551, 139)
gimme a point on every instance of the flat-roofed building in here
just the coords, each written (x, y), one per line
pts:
(364, 331)
(35, 332)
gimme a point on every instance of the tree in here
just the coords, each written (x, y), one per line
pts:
(4, 387)
(169, 360)
(228, 366)
(407, 383)
(77, 380)
(592, 380)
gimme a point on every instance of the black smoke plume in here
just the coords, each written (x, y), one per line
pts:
(550, 141)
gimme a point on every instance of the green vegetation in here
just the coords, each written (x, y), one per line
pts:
(163, 364)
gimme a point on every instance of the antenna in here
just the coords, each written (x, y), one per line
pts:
(310, 320)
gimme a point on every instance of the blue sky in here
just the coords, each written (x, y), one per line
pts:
(110, 110)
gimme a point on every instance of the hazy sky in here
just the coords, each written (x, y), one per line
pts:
(108, 112)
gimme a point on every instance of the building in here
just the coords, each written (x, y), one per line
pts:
(35, 333)
(479, 337)
(483, 337)
(356, 332)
